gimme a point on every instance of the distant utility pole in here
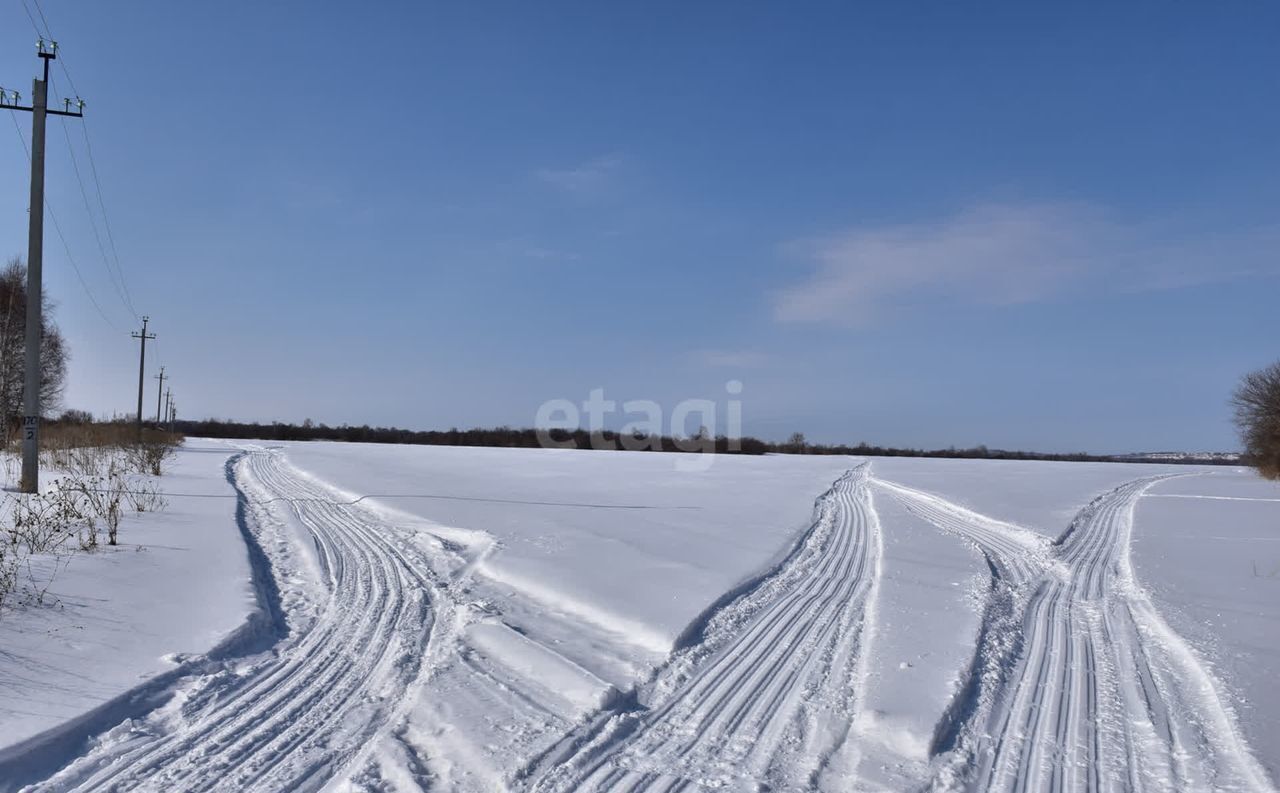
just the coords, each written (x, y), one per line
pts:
(142, 366)
(168, 402)
(39, 108)
(173, 414)
(159, 396)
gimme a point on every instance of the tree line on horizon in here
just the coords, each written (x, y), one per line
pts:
(530, 438)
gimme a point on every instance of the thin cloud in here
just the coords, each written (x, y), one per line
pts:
(550, 254)
(730, 359)
(1002, 255)
(588, 177)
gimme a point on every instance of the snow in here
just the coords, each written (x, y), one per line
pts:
(632, 542)
(177, 584)
(928, 617)
(1208, 548)
(486, 619)
(1041, 495)
(553, 673)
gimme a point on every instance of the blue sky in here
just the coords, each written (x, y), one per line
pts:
(1044, 227)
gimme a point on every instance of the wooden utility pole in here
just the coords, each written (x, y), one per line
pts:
(39, 108)
(142, 367)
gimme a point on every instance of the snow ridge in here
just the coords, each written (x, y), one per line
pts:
(767, 696)
(1077, 682)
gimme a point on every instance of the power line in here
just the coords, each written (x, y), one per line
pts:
(58, 228)
(34, 26)
(102, 206)
(118, 279)
(79, 275)
(40, 11)
(84, 194)
(102, 203)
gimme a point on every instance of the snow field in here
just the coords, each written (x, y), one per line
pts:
(1207, 550)
(485, 619)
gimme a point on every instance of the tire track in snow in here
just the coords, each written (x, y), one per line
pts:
(291, 718)
(1078, 683)
(768, 695)
(1015, 554)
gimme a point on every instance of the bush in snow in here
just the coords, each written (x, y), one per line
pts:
(1257, 405)
(105, 471)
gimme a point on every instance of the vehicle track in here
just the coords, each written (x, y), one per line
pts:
(770, 692)
(1015, 554)
(293, 717)
(1094, 692)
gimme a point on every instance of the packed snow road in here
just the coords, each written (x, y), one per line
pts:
(289, 718)
(1078, 684)
(768, 695)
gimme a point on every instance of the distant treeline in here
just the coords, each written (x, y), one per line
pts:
(529, 438)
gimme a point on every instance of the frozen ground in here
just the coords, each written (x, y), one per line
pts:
(481, 619)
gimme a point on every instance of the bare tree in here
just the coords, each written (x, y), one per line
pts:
(1257, 405)
(53, 349)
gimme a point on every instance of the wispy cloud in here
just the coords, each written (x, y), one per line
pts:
(729, 359)
(1000, 254)
(550, 254)
(587, 177)
(524, 248)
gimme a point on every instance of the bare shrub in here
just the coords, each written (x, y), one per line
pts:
(149, 455)
(105, 469)
(43, 522)
(36, 583)
(99, 498)
(19, 576)
(1257, 414)
(9, 565)
(145, 497)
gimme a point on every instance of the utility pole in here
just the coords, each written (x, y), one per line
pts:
(142, 367)
(168, 403)
(173, 414)
(159, 395)
(39, 108)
